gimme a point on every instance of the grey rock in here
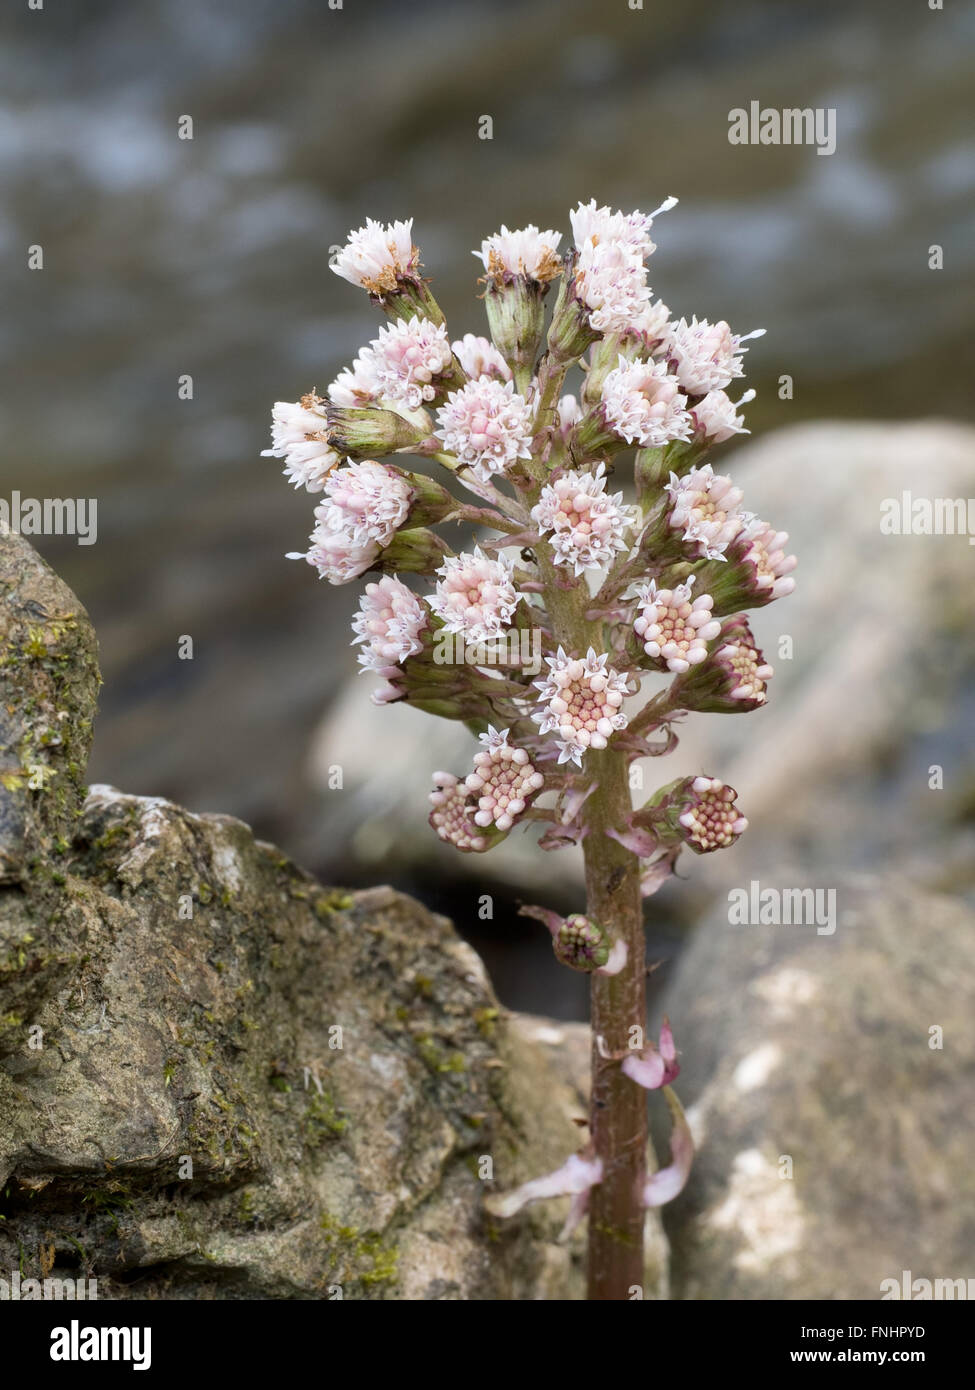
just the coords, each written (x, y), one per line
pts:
(48, 688)
(219, 1079)
(817, 1051)
(181, 1115)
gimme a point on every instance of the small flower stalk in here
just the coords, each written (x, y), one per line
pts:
(516, 528)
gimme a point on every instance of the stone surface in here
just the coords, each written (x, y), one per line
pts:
(208, 977)
(48, 687)
(219, 1079)
(818, 1048)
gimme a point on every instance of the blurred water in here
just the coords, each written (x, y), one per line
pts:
(208, 257)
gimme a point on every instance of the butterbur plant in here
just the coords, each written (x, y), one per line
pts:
(622, 577)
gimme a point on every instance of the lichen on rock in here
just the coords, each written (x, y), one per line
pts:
(220, 1079)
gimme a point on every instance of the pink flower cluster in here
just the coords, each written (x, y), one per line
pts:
(476, 596)
(712, 820)
(602, 586)
(487, 426)
(673, 627)
(705, 508)
(581, 703)
(586, 526)
(502, 782)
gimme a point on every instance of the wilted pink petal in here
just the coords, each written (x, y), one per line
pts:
(617, 959)
(664, 1185)
(637, 841)
(574, 1179)
(655, 874)
(577, 1211)
(651, 1068)
(552, 920)
(646, 1068)
(573, 800)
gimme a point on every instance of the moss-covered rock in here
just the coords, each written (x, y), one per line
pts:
(219, 1079)
(48, 687)
(242, 1084)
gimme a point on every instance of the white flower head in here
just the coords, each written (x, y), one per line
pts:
(486, 425)
(764, 549)
(611, 281)
(707, 355)
(747, 672)
(409, 357)
(388, 625)
(716, 416)
(476, 596)
(705, 507)
(299, 435)
(356, 387)
(526, 252)
(337, 557)
(377, 257)
(451, 816)
(479, 357)
(585, 524)
(592, 225)
(674, 627)
(652, 324)
(502, 782)
(581, 703)
(642, 403)
(367, 502)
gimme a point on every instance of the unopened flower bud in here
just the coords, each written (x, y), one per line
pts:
(755, 570)
(706, 814)
(451, 816)
(362, 434)
(733, 678)
(580, 943)
(431, 502)
(570, 332)
(414, 551)
(696, 811)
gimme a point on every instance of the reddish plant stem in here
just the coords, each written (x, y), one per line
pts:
(618, 1110)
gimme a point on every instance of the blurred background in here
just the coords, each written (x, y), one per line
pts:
(208, 257)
